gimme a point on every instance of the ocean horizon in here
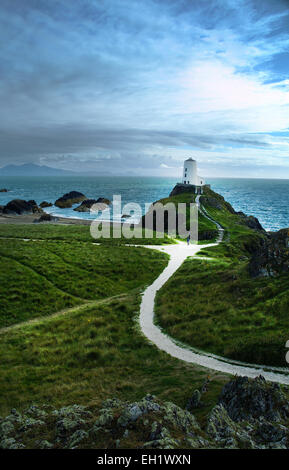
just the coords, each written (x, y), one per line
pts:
(266, 199)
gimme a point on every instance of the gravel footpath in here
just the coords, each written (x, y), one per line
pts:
(178, 253)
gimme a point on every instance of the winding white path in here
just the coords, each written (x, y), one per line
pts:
(178, 253)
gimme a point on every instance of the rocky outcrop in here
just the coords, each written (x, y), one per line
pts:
(249, 399)
(68, 199)
(93, 204)
(183, 188)
(103, 200)
(216, 201)
(4, 190)
(251, 221)
(149, 422)
(271, 257)
(86, 205)
(251, 413)
(46, 218)
(19, 207)
(194, 401)
(45, 204)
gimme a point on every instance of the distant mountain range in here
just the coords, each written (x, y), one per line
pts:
(30, 169)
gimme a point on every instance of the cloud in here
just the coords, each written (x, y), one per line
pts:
(139, 85)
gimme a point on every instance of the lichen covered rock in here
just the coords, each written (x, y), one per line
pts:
(249, 399)
(251, 414)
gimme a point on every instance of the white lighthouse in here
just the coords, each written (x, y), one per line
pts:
(190, 173)
(191, 182)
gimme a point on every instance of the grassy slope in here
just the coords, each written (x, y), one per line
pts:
(74, 233)
(91, 354)
(40, 278)
(204, 225)
(217, 307)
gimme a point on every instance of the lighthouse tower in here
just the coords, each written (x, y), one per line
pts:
(190, 175)
(191, 182)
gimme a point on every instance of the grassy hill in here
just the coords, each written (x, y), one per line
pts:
(43, 278)
(68, 233)
(71, 309)
(215, 305)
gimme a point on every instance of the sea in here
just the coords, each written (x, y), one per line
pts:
(266, 199)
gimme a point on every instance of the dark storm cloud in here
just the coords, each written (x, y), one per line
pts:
(76, 139)
(141, 84)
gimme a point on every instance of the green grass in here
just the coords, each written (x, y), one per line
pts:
(88, 355)
(39, 278)
(205, 226)
(96, 351)
(240, 239)
(76, 233)
(216, 307)
(92, 351)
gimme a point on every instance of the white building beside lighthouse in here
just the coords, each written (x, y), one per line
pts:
(190, 173)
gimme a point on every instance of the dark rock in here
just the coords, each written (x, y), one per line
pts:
(86, 205)
(194, 401)
(221, 427)
(216, 201)
(249, 399)
(158, 432)
(212, 202)
(77, 437)
(46, 218)
(183, 188)
(6, 428)
(4, 190)
(245, 418)
(70, 419)
(10, 443)
(93, 204)
(101, 204)
(268, 432)
(35, 208)
(252, 222)
(44, 444)
(45, 204)
(68, 199)
(271, 256)
(35, 412)
(103, 200)
(29, 422)
(19, 207)
(68, 425)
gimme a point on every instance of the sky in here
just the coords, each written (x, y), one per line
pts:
(133, 87)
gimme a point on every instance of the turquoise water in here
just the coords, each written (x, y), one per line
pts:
(264, 198)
